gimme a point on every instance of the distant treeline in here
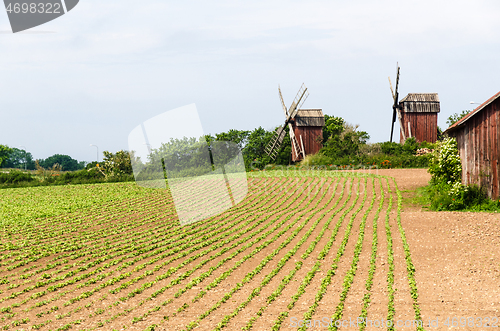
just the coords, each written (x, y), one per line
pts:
(21, 159)
(115, 167)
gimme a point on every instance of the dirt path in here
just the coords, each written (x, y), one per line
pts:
(457, 258)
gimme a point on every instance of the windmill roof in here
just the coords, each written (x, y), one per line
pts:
(421, 97)
(421, 103)
(472, 113)
(310, 117)
(310, 113)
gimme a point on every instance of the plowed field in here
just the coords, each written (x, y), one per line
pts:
(320, 250)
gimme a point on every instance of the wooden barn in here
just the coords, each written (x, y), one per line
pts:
(419, 113)
(478, 138)
(308, 128)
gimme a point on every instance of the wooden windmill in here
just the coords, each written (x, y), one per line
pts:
(305, 128)
(417, 114)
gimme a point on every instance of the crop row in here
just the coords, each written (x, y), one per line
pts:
(224, 275)
(134, 248)
(203, 238)
(129, 263)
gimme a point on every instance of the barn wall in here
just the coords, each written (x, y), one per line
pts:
(478, 145)
(310, 135)
(423, 126)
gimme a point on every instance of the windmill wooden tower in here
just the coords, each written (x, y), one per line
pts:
(416, 113)
(305, 128)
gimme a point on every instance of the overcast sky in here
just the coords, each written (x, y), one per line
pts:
(92, 75)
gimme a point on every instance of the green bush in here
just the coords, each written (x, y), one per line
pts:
(15, 177)
(19, 179)
(393, 157)
(78, 177)
(410, 146)
(445, 165)
(425, 144)
(446, 191)
(391, 148)
(87, 177)
(446, 197)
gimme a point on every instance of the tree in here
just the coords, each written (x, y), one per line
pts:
(91, 165)
(239, 137)
(5, 152)
(254, 152)
(65, 161)
(284, 156)
(456, 117)
(184, 157)
(117, 164)
(20, 159)
(333, 126)
(343, 140)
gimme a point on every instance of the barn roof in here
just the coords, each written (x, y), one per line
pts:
(310, 117)
(421, 103)
(472, 113)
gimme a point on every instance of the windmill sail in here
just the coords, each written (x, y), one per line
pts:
(295, 144)
(274, 145)
(301, 96)
(283, 102)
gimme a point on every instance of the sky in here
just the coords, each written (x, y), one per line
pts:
(96, 73)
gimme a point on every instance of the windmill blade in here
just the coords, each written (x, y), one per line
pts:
(302, 146)
(299, 100)
(392, 91)
(401, 124)
(295, 144)
(398, 108)
(282, 102)
(395, 106)
(393, 109)
(392, 123)
(396, 95)
(274, 145)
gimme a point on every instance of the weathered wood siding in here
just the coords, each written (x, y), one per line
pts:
(423, 126)
(311, 137)
(478, 143)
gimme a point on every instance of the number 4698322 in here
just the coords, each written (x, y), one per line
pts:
(41, 8)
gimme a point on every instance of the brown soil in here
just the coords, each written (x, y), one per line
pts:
(455, 254)
(456, 257)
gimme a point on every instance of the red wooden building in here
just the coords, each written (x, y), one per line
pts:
(308, 129)
(419, 113)
(478, 138)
